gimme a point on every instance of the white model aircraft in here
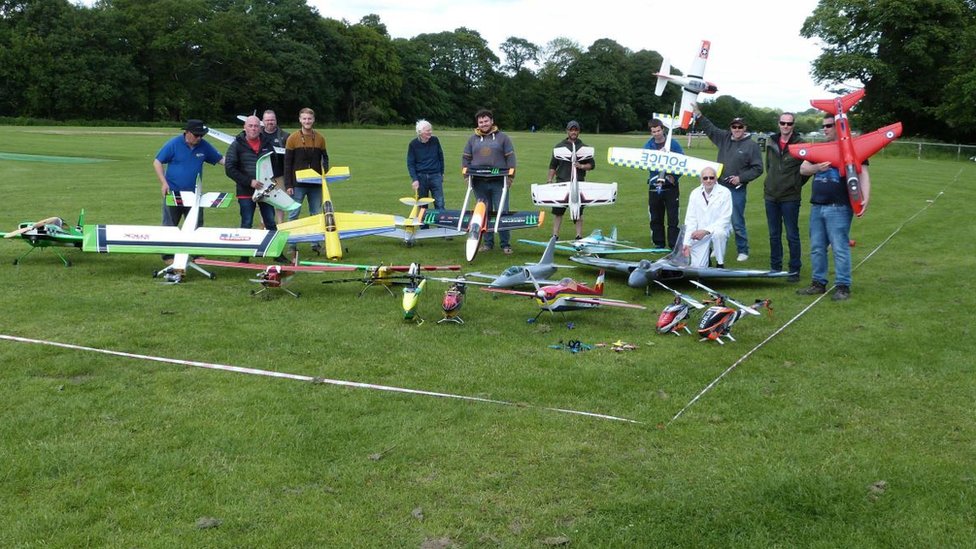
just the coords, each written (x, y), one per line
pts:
(662, 161)
(691, 85)
(186, 240)
(574, 194)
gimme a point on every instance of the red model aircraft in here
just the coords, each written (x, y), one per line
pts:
(275, 276)
(847, 153)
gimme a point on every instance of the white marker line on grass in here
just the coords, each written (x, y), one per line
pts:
(269, 373)
(807, 308)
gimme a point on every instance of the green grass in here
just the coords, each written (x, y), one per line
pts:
(852, 427)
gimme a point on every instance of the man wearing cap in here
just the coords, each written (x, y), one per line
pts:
(743, 163)
(184, 156)
(561, 170)
(662, 190)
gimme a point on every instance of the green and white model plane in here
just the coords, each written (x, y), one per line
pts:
(187, 240)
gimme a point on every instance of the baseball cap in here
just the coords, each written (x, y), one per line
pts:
(572, 124)
(196, 127)
(738, 120)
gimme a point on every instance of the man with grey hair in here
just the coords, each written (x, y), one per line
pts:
(707, 221)
(425, 163)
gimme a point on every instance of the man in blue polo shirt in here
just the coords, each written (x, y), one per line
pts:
(183, 156)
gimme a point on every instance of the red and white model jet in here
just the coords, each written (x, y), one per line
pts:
(692, 84)
(847, 153)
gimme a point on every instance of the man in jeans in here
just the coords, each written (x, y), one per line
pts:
(830, 221)
(782, 193)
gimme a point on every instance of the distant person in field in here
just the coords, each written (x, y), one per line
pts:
(305, 149)
(830, 220)
(743, 163)
(425, 164)
(707, 221)
(663, 193)
(782, 193)
(562, 170)
(278, 139)
(490, 149)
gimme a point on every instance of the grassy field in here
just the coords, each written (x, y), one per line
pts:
(852, 427)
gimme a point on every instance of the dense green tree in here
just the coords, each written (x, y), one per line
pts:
(463, 66)
(518, 53)
(596, 88)
(904, 52)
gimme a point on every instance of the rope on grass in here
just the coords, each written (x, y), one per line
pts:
(803, 311)
(298, 377)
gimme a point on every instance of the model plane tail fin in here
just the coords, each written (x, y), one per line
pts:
(661, 81)
(845, 103)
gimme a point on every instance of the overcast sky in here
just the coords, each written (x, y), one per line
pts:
(757, 53)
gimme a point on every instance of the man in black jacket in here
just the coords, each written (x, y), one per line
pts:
(782, 193)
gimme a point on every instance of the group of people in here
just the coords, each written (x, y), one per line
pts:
(715, 209)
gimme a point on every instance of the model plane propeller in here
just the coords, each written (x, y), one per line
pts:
(691, 85)
(598, 243)
(718, 320)
(574, 194)
(476, 223)
(848, 153)
(568, 295)
(674, 266)
(675, 315)
(51, 232)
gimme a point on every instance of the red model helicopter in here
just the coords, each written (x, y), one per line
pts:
(453, 300)
(674, 317)
(717, 321)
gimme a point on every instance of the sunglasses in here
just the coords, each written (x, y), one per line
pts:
(828, 125)
(781, 123)
(738, 127)
(708, 178)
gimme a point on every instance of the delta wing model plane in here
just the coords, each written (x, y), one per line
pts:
(662, 161)
(477, 222)
(186, 240)
(691, 85)
(51, 232)
(847, 153)
(598, 243)
(674, 266)
(330, 226)
(516, 275)
(568, 295)
(412, 228)
(574, 194)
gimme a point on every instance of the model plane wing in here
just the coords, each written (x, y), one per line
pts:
(558, 194)
(283, 268)
(660, 161)
(349, 225)
(188, 199)
(334, 175)
(509, 220)
(146, 239)
(604, 302)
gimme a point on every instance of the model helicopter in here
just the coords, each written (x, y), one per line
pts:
(453, 300)
(674, 317)
(718, 320)
(51, 232)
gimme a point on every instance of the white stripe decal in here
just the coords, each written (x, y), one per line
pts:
(283, 375)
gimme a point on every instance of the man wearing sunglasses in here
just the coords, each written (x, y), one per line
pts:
(830, 220)
(782, 193)
(742, 163)
(707, 221)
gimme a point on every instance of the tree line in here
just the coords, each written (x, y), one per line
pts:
(167, 60)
